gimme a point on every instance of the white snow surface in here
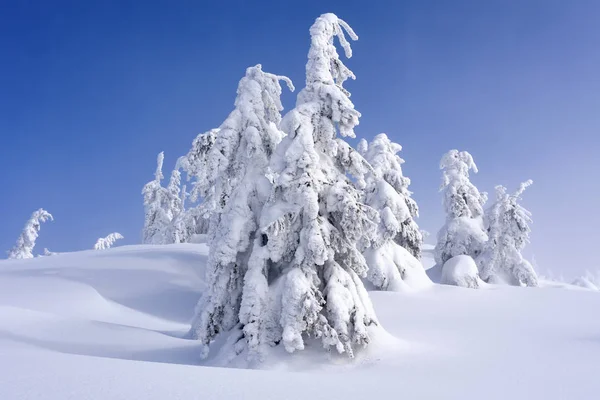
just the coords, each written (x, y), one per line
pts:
(112, 324)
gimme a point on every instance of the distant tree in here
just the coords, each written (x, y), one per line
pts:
(196, 163)
(240, 182)
(108, 241)
(157, 205)
(507, 225)
(49, 253)
(26, 242)
(463, 233)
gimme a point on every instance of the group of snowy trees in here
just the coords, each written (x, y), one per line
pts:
(295, 217)
(493, 238)
(297, 220)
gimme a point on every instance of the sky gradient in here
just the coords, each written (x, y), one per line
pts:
(91, 91)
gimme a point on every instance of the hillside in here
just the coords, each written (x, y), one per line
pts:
(111, 325)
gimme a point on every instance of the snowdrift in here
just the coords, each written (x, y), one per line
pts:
(112, 324)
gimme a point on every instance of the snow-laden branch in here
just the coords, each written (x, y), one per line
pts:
(108, 241)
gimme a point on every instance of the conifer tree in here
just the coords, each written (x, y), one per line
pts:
(392, 256)
(463, 233)
(237, 171)
(196, 218)
(26, 241)
(507, 225)
(314, 221)
(156, 204)
(387, 166)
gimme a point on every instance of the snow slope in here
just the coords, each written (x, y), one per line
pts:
(110, 325)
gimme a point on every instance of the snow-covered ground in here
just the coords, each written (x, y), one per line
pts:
(111, 324)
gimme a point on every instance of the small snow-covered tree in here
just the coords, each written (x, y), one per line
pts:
(49, 253)
(26, 242)
(507, 224)
(382, 154)
(463, 232)
(236, 169)
(314, 220)
(196, 218)
(108, 241)
(156, 204)
(387, 192)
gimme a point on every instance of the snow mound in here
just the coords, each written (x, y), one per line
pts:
(461, 271)
(400, 269)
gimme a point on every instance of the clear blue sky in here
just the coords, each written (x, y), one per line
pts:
(91, 91)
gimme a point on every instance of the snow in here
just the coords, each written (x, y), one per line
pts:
(461, 271)
(111, 324)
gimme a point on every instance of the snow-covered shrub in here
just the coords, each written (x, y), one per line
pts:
(463, 232)
(238, 172)
(26, 242)
(386, 190)
(461, 271)
(507, 225)
(108, 241)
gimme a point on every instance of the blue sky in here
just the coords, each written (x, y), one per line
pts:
(91, 91)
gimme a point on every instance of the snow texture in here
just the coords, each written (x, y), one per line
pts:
(26, 241)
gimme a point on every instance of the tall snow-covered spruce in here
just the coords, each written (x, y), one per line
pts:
(314, 220)
(26, 241)
(283, 263)
(463, 233)
(237, 182)
(507, 224)
(392, 256)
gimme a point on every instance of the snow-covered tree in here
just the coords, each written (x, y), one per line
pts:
(49, 253)
(463, 232)
(507, 225)
(196, 218)
(387, 192)
(26, 242)
(108, 241)
(314, 220)
(236, 168)
(156, 204)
